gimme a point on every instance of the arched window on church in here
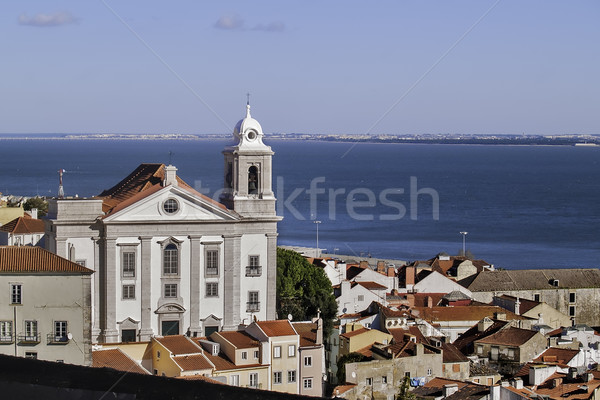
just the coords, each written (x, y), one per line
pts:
(171, 260)
(253, 180)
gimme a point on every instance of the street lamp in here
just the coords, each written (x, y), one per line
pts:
(317, 223)
(464, 253)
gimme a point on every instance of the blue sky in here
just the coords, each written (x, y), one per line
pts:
(316, 67)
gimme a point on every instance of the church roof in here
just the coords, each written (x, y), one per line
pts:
(535, 279)
(143, 181)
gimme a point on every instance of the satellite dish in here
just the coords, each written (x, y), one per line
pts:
(290, 317)
(69, 336)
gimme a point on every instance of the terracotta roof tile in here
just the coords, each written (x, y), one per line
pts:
(240, 339)
(281, 327)
(178, 344)
(369, 285)
(116, 359)
(221, 362)
(23, 225)
(199, 378)
(451, 354)
(531, 279)
(193, 362)
(307, 332)
(31, 259)
(342, 389)
(556, 355)
(510, 336)
(465, 341)
(355, 333)
(463, 313)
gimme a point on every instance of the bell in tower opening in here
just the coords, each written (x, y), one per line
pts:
(253, 180)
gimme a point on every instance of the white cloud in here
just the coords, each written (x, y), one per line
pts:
(230, 22)
(45, 20)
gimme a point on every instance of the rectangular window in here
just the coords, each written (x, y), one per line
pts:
(292, 376)
(15, 293)
(234, 380)
(254, 379)
(455, 367)
(292, 350)
(429, 371)
(80, 262)
(571, 311)
(128, 292)
(308, 361)
(212, 262)
(6, 331)
(536, 297)
(170, 290)
(307, 383)
(407, 374)
(170, 260)
(128, 264)
(31, 331)
(253, 268)
(369, 381)
(212, 289)
(60, 331)
(277, 377)
(244, 355)
(361, 297)
(572, 297)
(384, 379)
(256, 354)
(31, 354)
(479, 349)
(277, 352)
(253, 304)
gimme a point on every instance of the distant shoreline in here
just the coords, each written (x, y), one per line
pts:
(510, 140)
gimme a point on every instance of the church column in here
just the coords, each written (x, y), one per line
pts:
(271, 297)
(195, 273)
(96, 277)
(111, 334)
(146, 331)
(231, 292)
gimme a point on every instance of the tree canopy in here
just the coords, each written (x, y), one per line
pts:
(36, 202)
(303, 289)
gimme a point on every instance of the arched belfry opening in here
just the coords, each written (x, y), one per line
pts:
(253, 183)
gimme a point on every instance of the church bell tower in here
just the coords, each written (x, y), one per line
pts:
(248, 171)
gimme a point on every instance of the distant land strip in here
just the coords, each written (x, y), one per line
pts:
(547, 140)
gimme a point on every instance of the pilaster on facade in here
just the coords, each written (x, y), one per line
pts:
(95, 286)
(271, 297)
(110, 333)
(146, 331)
(195, 275)
(232, 272)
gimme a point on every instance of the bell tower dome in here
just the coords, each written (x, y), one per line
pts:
(248, 171)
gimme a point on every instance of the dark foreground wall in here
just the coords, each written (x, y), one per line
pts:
(34, 379)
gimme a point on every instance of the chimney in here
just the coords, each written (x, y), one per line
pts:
(450, 389)
(364, 264)
(420, 350)
(319, 322)
(381, 267)
(170, 176)
(517, 306)
(484, 324)
(391, 271)
(409, 278)
(517, 383)
(34, 213)
(500, 316)
(429, 302)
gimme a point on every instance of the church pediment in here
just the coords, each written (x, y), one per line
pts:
(169, 308)
(172, 204)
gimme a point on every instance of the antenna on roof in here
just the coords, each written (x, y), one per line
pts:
(170, 157)
(61, 191)
(248, 98)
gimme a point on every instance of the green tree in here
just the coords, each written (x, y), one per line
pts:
(405, 393)
(36, 202)
(341, 365)
(303, 290)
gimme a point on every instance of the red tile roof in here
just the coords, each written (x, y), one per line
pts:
(555, 355)
(369, 285)
(281, 327)
(510, 336)
(342, 389)
(23, 225)
(239, 339)
(143, 181)
(355, 333)
(28, 259)
(178, 344)
(307, 332)
(463, 313)
(116, 359)
(193, 362)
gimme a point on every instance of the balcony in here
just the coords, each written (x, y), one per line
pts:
(52, 338)
(6, 339)
(253, 306)
(29, 340)
(254, 271)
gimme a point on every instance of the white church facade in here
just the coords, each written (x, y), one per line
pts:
(169, 260)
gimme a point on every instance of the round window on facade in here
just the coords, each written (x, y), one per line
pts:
(171, 206)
